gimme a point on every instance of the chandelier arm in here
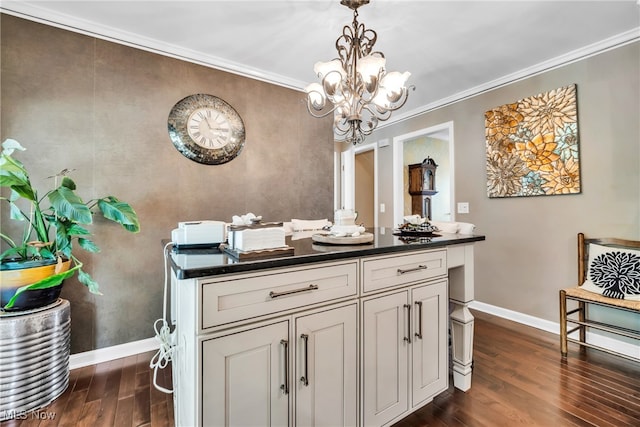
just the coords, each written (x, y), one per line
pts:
(374, 110)
(352, 134)
(343, 125)
(404, 98)
(368, 38)
(344, 51)
(319, 114)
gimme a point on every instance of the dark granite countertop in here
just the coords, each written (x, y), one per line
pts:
(194, 263)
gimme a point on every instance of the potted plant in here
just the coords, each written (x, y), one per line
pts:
(54, 228)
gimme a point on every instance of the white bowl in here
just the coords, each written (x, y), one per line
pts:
(347, 229)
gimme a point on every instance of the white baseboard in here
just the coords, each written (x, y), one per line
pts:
(603, 341)
(107, 354)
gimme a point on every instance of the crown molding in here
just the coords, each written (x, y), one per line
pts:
(542, 67)
(67, 22)
(103, 32)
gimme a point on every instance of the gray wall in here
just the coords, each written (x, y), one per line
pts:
(101, 108)
(530, 251)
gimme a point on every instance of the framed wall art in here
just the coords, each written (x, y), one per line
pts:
(532, 146)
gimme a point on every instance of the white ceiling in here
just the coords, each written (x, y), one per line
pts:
(452, 48)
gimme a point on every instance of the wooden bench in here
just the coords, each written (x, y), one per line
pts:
(580, 319)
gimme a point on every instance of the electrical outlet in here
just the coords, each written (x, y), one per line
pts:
(463, 207)
(382, 207)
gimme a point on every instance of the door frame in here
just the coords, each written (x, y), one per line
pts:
(348, 177)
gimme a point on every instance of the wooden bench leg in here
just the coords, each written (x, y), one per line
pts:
(582, 315)
(563, 323)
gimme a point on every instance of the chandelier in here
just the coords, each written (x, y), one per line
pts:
(360, 91)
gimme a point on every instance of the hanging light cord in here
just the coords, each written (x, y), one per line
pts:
(163, 333)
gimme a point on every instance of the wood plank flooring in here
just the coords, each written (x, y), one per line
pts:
(116, 393)
(519, 378)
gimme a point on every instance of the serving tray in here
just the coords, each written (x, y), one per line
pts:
(261, 254)
(415, 233)
(346, 240)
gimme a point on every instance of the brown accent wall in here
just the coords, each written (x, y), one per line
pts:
(101, 109)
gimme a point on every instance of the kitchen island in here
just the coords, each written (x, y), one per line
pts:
(330, 335)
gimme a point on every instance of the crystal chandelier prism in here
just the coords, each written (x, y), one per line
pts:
(356, 86)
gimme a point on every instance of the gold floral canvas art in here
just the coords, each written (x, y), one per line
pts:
(532, 146)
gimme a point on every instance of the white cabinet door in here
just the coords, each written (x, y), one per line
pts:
(326, 368)
(385, 329)
(244, 377)
(429, 347)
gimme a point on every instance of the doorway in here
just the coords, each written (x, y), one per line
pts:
(359, 182)
(436, 142)
(364, 187)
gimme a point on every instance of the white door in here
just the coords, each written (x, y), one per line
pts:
(244, 378)
(326, 363)
(429, 347)
(385, 329)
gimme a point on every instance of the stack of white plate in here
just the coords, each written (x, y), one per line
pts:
(346, 230)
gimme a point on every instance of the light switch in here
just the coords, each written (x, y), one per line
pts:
(463, 207)
(382, 207)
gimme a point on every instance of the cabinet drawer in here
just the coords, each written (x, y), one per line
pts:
(386, 272)
(249, 296)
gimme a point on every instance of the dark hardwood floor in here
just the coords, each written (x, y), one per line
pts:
(118, 393)
(519, 378)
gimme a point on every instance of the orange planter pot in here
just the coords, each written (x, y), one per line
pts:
(13, 277)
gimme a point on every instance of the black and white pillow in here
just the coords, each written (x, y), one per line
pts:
(613, 272)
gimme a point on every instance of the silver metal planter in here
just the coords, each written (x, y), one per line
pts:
(34, 358)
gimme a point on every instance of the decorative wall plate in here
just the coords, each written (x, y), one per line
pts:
(206, 129)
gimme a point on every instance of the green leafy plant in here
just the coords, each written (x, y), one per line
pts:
(53, 231)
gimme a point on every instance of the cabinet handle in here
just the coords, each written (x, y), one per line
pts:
(419, 333)
(409, 270)
(285, 387)
(273, 294)
(305, 377)
(408, 337)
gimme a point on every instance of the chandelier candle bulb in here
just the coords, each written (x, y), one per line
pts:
(357, 84)
(369, 68)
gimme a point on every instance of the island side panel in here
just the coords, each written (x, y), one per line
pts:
(461, 287)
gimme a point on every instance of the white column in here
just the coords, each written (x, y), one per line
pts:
(460, 265)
